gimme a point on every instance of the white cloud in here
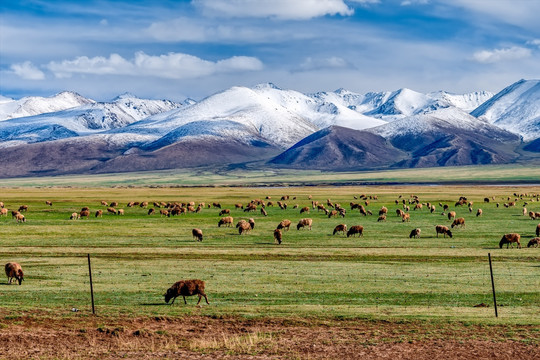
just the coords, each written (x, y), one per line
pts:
(280, 9)
(333, 62)
(28, 71)
(498, 55)
(168, 66)
(414, 2)
(535, 42)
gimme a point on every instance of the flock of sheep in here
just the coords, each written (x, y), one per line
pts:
(196, 287)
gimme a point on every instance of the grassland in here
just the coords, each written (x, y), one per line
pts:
(384, 274)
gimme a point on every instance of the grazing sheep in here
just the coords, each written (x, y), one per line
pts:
(284, 224)
(23, 208)
(14, 213)
(537, 215)
(415, 233)
(99, 213)
(478, 212)
(321, 207)
(510, 239)
(303, 223)
(406, 217)
(445, 207)
(143, 204)
(130, 204)
(263, 212)
(340, 228)
(538, 230)
(20, 218)
(441, 229)
(418, 206)
(104, 203)
(486, 200)
(152, 211)
(451, 215)
(382, 218)
(216, 205)
(383, 211)
(120, 212)
(85, 208)
(85, 213)
(304, 209)
(251, 223)
(333, 213)
(115, 204)
(3, 212)
(432, 209)
(48, 202)
(524, 211)
(186, 288)
(356, 229)
(74, 216)
(399, 212)
(1, 204)
(534, 242)
(197, 234)
(112, 210)
(227, 221)
(532, 215)
(243, 227)
(250, 207)
(362, 210)
(238, 206)
(458, 222)
(224, 211)
(277, 236)
(14, 271)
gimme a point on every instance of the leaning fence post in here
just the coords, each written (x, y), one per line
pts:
(91, 285)
(493, 285)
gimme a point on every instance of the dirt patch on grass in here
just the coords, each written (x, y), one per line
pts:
(29, 336)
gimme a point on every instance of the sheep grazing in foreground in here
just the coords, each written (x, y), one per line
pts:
(151, 211)
(216, 205)
(120, 211)
(23, 208)
(340, 228)
(186, 288)
(406, 217)
(197, 234)
(534, 242)
(74, 216)
(356, 229)
(510, 239)
(85, 213)
(226, 221)
(333, 213)
(383, 211)
(441, 229)
(277, 236)
(112, 210)
(224, 211)
(415, 233)
(14, 271)
(20, 218)
(263, 212)
(478, 212)
(458, 222)
(284, 224)
(304, 223)
(251, 223)
(382, 218)
(3, 212)
(538, 230)
(243, 227)
(99, 213)
(451, 215)
(104, 203)
(532, 215)
(1, 204)
(399, 212)
(304, 209)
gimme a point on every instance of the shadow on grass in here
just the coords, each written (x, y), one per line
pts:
(155, 304)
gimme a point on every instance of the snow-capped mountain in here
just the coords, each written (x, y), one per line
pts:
(466, 102)
(35, 105)
(515, 108)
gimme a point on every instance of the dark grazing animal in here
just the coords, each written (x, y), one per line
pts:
(197, 234)
(284, 224)
(277, 236)
(356, 229)
(14, 271)
(510, 239)
(340, 228)
(534, 242)
(441, 229)
(458, 222)
(415, 233)
(186, 288)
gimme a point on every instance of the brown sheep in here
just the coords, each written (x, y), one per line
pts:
(143, 204)
(151, 211)
(104, 203)
(85, 208)
(112, 210)
(451, 215)
(224, 211)
(320, 207)
(537, 215)
(238, 206)
(251, 223)
(130, 204)
(74, 216)
(303, 223)
(534, 242)
(510, 239)
(163, 212)
(538, 230)
(333, 213)
(532, 215)
(120, 212)
(399, 212)
(362, 210)
(383, 211)
(3, 212)
(14, 213)
(304, 209)
(284, 224)
(441, 229)
(432, 209)
(14, 271)
(48, 202)
(23, 208)
(1, 204)
(356, 229)
(114, 204)
(415, 233)
(186, 288)
(340, 228)
(243, 227)
(406, 217)
(458, 222)
(85, 213)
(216, 205)
(263, 212)
(197, 234)
(99, 213)
(417, 206)
(250, 207)
(382, 218)
(227, 221)
(479, 212)
(20, 218)
(277, 236)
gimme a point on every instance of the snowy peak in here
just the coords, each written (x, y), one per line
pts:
(466, 102)
(516, 108)
(34, 105)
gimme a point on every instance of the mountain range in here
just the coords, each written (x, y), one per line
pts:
(340, 130)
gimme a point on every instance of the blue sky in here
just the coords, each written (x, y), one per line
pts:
(178, 49)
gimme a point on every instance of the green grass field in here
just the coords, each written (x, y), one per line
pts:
(383, 274)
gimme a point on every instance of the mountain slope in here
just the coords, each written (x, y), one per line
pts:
(515, 108)
(339, 148)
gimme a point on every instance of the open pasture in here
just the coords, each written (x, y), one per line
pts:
(383, 274)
